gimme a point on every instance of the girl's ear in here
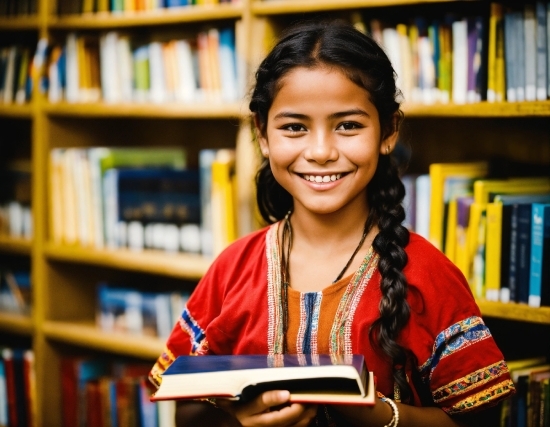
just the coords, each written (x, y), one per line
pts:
(388, 144)
(262, 140)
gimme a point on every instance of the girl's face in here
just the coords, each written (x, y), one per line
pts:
(323, 140)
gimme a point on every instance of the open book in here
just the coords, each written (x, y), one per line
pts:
(309, 378)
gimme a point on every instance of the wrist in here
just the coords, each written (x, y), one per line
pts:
(394, 421)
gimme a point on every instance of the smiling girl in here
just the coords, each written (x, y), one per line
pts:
(336, 272)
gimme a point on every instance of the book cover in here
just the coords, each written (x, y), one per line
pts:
(309, 378)
(539, 274)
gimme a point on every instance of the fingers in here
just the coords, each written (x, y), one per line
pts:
(273, 409)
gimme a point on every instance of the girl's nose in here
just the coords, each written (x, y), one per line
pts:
(321, 148)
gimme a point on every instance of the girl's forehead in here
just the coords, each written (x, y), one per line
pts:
(303, 85)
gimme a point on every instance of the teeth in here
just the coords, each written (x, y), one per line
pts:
(325, 178)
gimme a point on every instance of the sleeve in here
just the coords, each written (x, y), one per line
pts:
(458, 357)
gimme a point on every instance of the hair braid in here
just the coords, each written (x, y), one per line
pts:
(389, 244)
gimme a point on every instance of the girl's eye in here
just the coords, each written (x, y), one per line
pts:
(349, 126)
(294, 128)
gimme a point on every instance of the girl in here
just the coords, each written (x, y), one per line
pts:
(336, 272)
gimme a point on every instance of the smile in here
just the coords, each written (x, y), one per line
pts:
(322, 178)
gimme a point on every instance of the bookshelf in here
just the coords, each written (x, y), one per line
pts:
(63, 277)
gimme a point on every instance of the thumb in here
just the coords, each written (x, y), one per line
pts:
(268, 400)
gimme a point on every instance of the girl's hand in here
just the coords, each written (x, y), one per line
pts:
(271, 409)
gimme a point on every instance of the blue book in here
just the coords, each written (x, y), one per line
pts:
(309, 378)
(539, 278)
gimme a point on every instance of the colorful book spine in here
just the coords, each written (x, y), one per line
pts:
(539, 277)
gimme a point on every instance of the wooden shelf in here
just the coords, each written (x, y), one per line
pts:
(179, 265)
(21, 23)
(480, 110)
(512, 311)
(15, 245)
(171, 110)
(23, 111)
(280, 7)
(16, 323)
(147, 18)
(89, 336)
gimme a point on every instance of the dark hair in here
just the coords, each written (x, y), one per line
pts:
(339, 45)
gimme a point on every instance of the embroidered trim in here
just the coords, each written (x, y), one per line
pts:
(474, 380)
(340, 335)
(310, 305)
(199, 345)
(492, 394)
(162, 363)
(274, 304)
(453, 339)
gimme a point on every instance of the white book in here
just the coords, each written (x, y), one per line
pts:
(72, 91)
(460, 61)
(125, 68)
(185, 92)
(157, 75)
(427, 70)
(391, 43)
(109, 62)
(423, 194)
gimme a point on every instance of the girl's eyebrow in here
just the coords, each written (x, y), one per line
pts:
(337, 115)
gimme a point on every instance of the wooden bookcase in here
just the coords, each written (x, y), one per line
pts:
(62, 320)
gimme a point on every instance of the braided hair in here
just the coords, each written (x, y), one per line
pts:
(339, 45)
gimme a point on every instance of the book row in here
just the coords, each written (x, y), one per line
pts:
(18, 7)
(92, 6)
(100, 393)
(131, 311)
(142, 198)
(15, 291)
(497, 231)
(17, 393)
(116, 67)
(530, 406)
(15, 74)
(470, 59)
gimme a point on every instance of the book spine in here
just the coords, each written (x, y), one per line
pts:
(523, 252)
(512, 274)
(530, 52)
(542, 53)
(540, 253)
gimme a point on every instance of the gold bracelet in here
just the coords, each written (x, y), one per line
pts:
(395, 412)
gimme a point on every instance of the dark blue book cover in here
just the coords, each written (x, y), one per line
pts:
(158, 195)
(523, 251)
(309, 378)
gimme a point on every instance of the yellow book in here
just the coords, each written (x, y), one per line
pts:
(500, 64)
(451, 230)
(439, 175)
(56, 199)
(495, 15)
(493, 247)
(224, 228)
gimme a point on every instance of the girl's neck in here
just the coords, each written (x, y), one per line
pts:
(323, 230)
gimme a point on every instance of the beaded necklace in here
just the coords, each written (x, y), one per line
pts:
(286, 245)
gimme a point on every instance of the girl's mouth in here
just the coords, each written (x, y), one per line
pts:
(322, 178)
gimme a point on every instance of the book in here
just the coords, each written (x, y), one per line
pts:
(443, 189)
(542, 52)
(309, 378)
(539, 274)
